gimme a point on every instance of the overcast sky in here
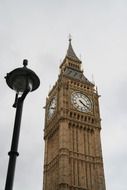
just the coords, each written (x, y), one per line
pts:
(38, 31)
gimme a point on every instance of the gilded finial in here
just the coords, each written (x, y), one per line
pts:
(70, 37)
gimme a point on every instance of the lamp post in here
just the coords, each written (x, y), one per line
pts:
(23, 81)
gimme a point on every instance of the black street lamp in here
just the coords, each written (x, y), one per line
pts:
(23, 81)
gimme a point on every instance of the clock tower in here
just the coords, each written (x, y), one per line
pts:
(73, 155)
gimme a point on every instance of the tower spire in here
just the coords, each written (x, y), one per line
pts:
(70, 52)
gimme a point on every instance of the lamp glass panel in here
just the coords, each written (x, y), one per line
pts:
(21, 83)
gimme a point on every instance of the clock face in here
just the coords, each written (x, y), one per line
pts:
(52, 107)
(81, 102)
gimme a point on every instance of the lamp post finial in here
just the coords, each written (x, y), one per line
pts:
(25, 62)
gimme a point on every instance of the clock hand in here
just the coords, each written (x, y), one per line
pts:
(83, 104)
(52, 108)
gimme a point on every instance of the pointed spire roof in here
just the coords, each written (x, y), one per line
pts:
(70, 52)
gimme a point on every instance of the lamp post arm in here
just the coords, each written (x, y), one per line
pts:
(24, 94)
(20, 98)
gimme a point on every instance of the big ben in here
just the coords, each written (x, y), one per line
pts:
(73, 155)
